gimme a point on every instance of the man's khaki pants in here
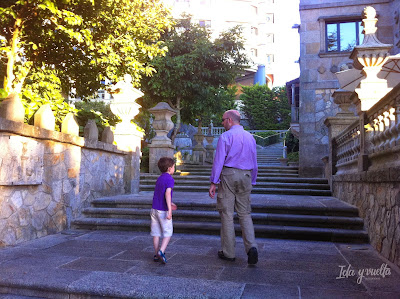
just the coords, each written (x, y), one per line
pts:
(234, 195)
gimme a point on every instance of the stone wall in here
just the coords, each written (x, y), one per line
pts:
(318, 68)
(377, 196)
(48, 177)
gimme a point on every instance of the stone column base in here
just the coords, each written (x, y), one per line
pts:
(156, 151)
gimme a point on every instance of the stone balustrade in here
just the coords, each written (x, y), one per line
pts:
(347, 145)
(379, 138)
(383, 125)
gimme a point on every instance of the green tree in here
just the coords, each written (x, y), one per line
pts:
(264, 108)
(195, 71)
(81, 42)
(99, 111)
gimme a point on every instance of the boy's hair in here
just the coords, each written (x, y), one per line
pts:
(164, 163)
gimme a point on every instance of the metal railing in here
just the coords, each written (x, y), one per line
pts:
(272, 139)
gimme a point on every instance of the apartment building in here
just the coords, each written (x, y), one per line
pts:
(259, 19)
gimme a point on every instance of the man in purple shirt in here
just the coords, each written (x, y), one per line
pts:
(235, 171)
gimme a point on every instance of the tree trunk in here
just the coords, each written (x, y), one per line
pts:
(11, 55)
(178, 119)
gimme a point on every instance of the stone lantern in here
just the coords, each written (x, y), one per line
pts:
(124, 104)
(126, 134)
(161, 145)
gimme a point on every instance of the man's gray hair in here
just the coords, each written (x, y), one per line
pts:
(234, 115)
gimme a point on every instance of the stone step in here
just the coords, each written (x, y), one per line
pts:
(255, 190)
(260, 171)
(261, 231)
(297, 207)
(266, 174)
(261, 168)
(281, 179)
(213, 216)
(192, 182)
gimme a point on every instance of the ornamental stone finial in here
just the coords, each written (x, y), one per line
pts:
(370, 56)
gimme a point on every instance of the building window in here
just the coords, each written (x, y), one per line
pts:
(205, 2)
(343, 36)
(254, 52)
(254, 30)
(270, 58)
(269, 38)
(205, 23)
(255, 9)
(269, 18)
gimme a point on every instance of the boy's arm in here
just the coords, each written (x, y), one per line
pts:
(168, 199)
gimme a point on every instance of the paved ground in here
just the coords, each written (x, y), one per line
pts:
(118, 264)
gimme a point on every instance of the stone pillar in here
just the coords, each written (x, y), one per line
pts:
(370, 56)
(91, 132)
(126, 135)
(12, 109)
(161, 145)
(199, 152)
(337, 124)
(44, 118)
(69, 125)
(210, 148)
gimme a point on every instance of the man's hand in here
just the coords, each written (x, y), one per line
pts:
(169, 215)
(211, 192)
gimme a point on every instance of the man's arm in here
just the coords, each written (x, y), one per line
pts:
(212, 190)
(254, 171)
(219, 159)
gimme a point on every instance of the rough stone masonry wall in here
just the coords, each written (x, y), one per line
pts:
(377, 196)
(47, 178)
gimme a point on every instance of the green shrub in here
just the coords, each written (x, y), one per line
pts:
(99, 111)
(291, 142)
(144, 163)
(293, 157)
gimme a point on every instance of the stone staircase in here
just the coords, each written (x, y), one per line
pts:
(270, 180)
(338, 223)
(269, 155)
(284, 206)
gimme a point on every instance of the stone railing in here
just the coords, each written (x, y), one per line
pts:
(347, 146)
(215, 131)
(383, 125)
(376, 134)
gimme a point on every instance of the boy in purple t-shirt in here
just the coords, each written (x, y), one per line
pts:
(161, 212)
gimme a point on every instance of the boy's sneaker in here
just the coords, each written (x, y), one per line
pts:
(156, 258)
(162, 256)
(252, 256)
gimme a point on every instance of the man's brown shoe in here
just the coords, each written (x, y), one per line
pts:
(222, 256)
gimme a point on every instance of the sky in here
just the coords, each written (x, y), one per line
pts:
(288, 40)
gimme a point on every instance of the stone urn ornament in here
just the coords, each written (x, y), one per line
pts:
(124, 104)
